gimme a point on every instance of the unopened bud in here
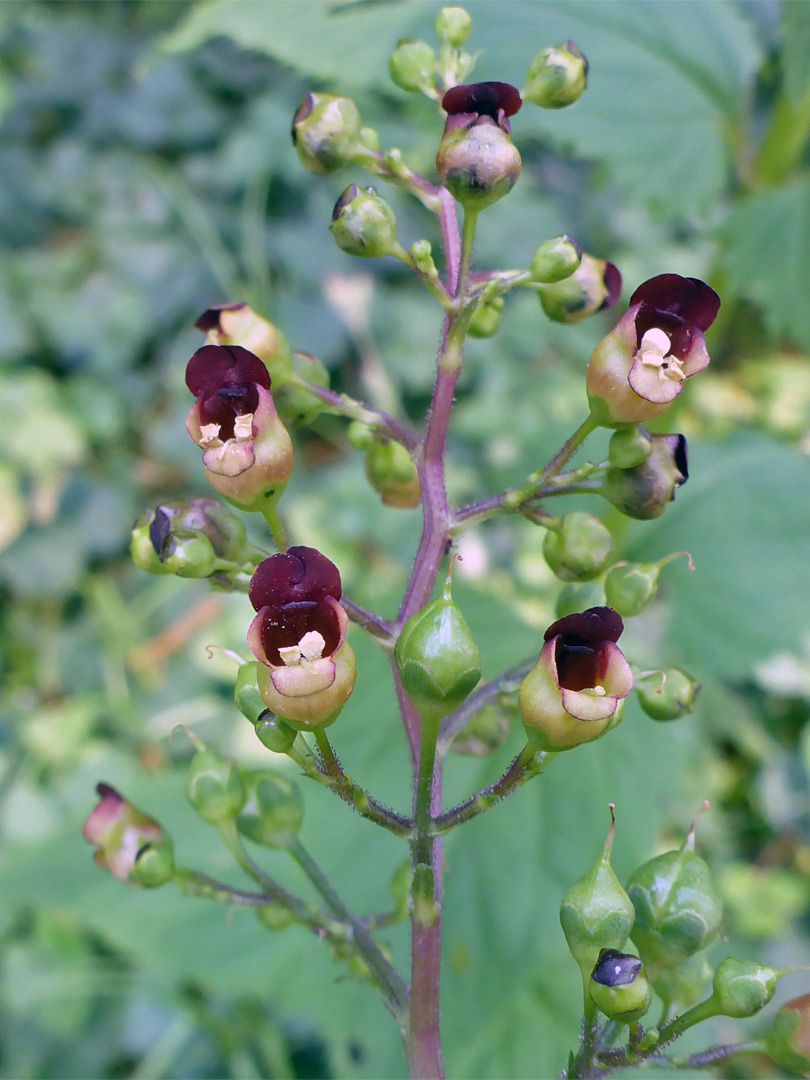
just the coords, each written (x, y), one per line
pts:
(187, 537)
(667, 695)
(274, 733)
(392, 474)
(360, 435)
(215, 787)
(555, 260)
(413, 66)
(274, 916)
(645, 491)
(631, 587)
(629, 446)
(363, 223)
(273, 811)
(578, 547)
(438, 658)
(593, 286)
(238, 324)
(486, 319)
(326, 132)
(453, 26)
(557, 77)
(619, 986)
(741, 988)
(788, 1041)
(246, 692)
(370, 139)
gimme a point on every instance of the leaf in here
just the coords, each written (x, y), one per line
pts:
(764, 257)
(795, 27)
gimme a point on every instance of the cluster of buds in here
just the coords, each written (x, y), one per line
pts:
(190, 537)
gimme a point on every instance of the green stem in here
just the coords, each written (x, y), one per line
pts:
(587, 1045)
(785, 139)
(277, 530)
(528, 764)
(193, 883)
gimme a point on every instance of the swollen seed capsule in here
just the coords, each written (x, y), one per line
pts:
(555, 260)
(676, 698)
(557, 77)
(363, 223)
(274, 810)
(578, 547)
(326, 132)
(215, 787)
(741, 988)
(453, 26)
(413, 66)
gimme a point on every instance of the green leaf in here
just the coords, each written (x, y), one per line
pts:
(764, 257)
(795, 26)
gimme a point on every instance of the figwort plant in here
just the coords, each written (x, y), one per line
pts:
(248, 387)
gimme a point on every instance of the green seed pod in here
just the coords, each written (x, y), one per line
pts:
(557, 77)
(274, 916)
(363, 223)
(437, 657)
(593, 286)
(215, 787)
(596, 912)
(579, 596)
(578, 547)
(555, 260)
(678, 908)
(453, 26)
(326, 132)
(619, 986)
(189, 555)
(274, 810)
(486, 732)
(645, 491)
(296, 406)
(413, 66)
(154, 864)
(742, 987)
(392, 474)
(274, 733)
(669, 699)
(247, 695)
(629, 446)
(788, 1041)
(631, 587)
(486, 319)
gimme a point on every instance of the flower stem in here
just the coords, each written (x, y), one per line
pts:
(193, 883)
(529, 763)
(277, 530)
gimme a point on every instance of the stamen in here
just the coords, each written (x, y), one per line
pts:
(654, 352)
(243, 426)
(595, 691)
(290, 655)
(312, 645)
(209, 435)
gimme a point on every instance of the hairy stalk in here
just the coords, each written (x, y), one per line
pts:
(343, 405)
(193, 883)
(455, 723)
(380, 629)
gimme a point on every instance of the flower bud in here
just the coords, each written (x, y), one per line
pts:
(486, 319)
(670, 699)
(437, 657)
(476, 160)
(572, 694)
(392, 474)
(640, 367)
(453, 26)
(741, 988)
(678, 907)
(238, 324)
(274, 916)
(555, 260)
(557, 77)
(593, 286)
(360, 435)
(297, 406)
(247, 695)
(274, 733)
(363, 223)
(485, 733)
(247, 452)
(619, 987)
(214, 786)
(629, 446)
(187, 537)
(596, 912)
(577, 547)
(299, 637)
(370, 139)
(189, 555)
(631, 587)
(326, 132)
(128, 843)
(413, 66)
(788, 1041)
(645, 491)
(274, 810)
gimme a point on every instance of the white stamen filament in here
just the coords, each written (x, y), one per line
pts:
(595, 691)
(654, 352)
(310, 647)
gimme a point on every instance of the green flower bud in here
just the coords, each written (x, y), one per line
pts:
(437, 657)
(619, 986)
(187, 537)
(364, 224)
(557, 77)
(326, 132)
(275, 733)
(297, 406)
(486, 319)
(248, 697)
(129, 844)
(238, 324)
(189, 555)
(596, 912)
(370, 139)
(555, 260)
(678, 908)
(392, 474)
(453, 26)
(214, 786)
(579, 596)
(413, 66)
(360, 435)
(629, 446)
(593, 286)
(741, 987)
(577, 547)
(485, 733)
(274, 810)
(274, 916)
(669, 699)
(631, 587)
(422, 253)
(788, 1041)
(644, 492)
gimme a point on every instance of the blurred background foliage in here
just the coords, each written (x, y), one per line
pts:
(148, 173)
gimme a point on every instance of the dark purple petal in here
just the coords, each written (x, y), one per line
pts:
(485, 99)
(591, 627)
(284, 626)
(614, 968)
(214, 368)
(677, 305)
(209, 320)
(578, 652)
(301, 574)
(613, 284)
(682, 457)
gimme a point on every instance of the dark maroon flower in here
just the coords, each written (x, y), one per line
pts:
(225, 381)
(676, 305)
(495, 100)
(299, 574)
(579, 640)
